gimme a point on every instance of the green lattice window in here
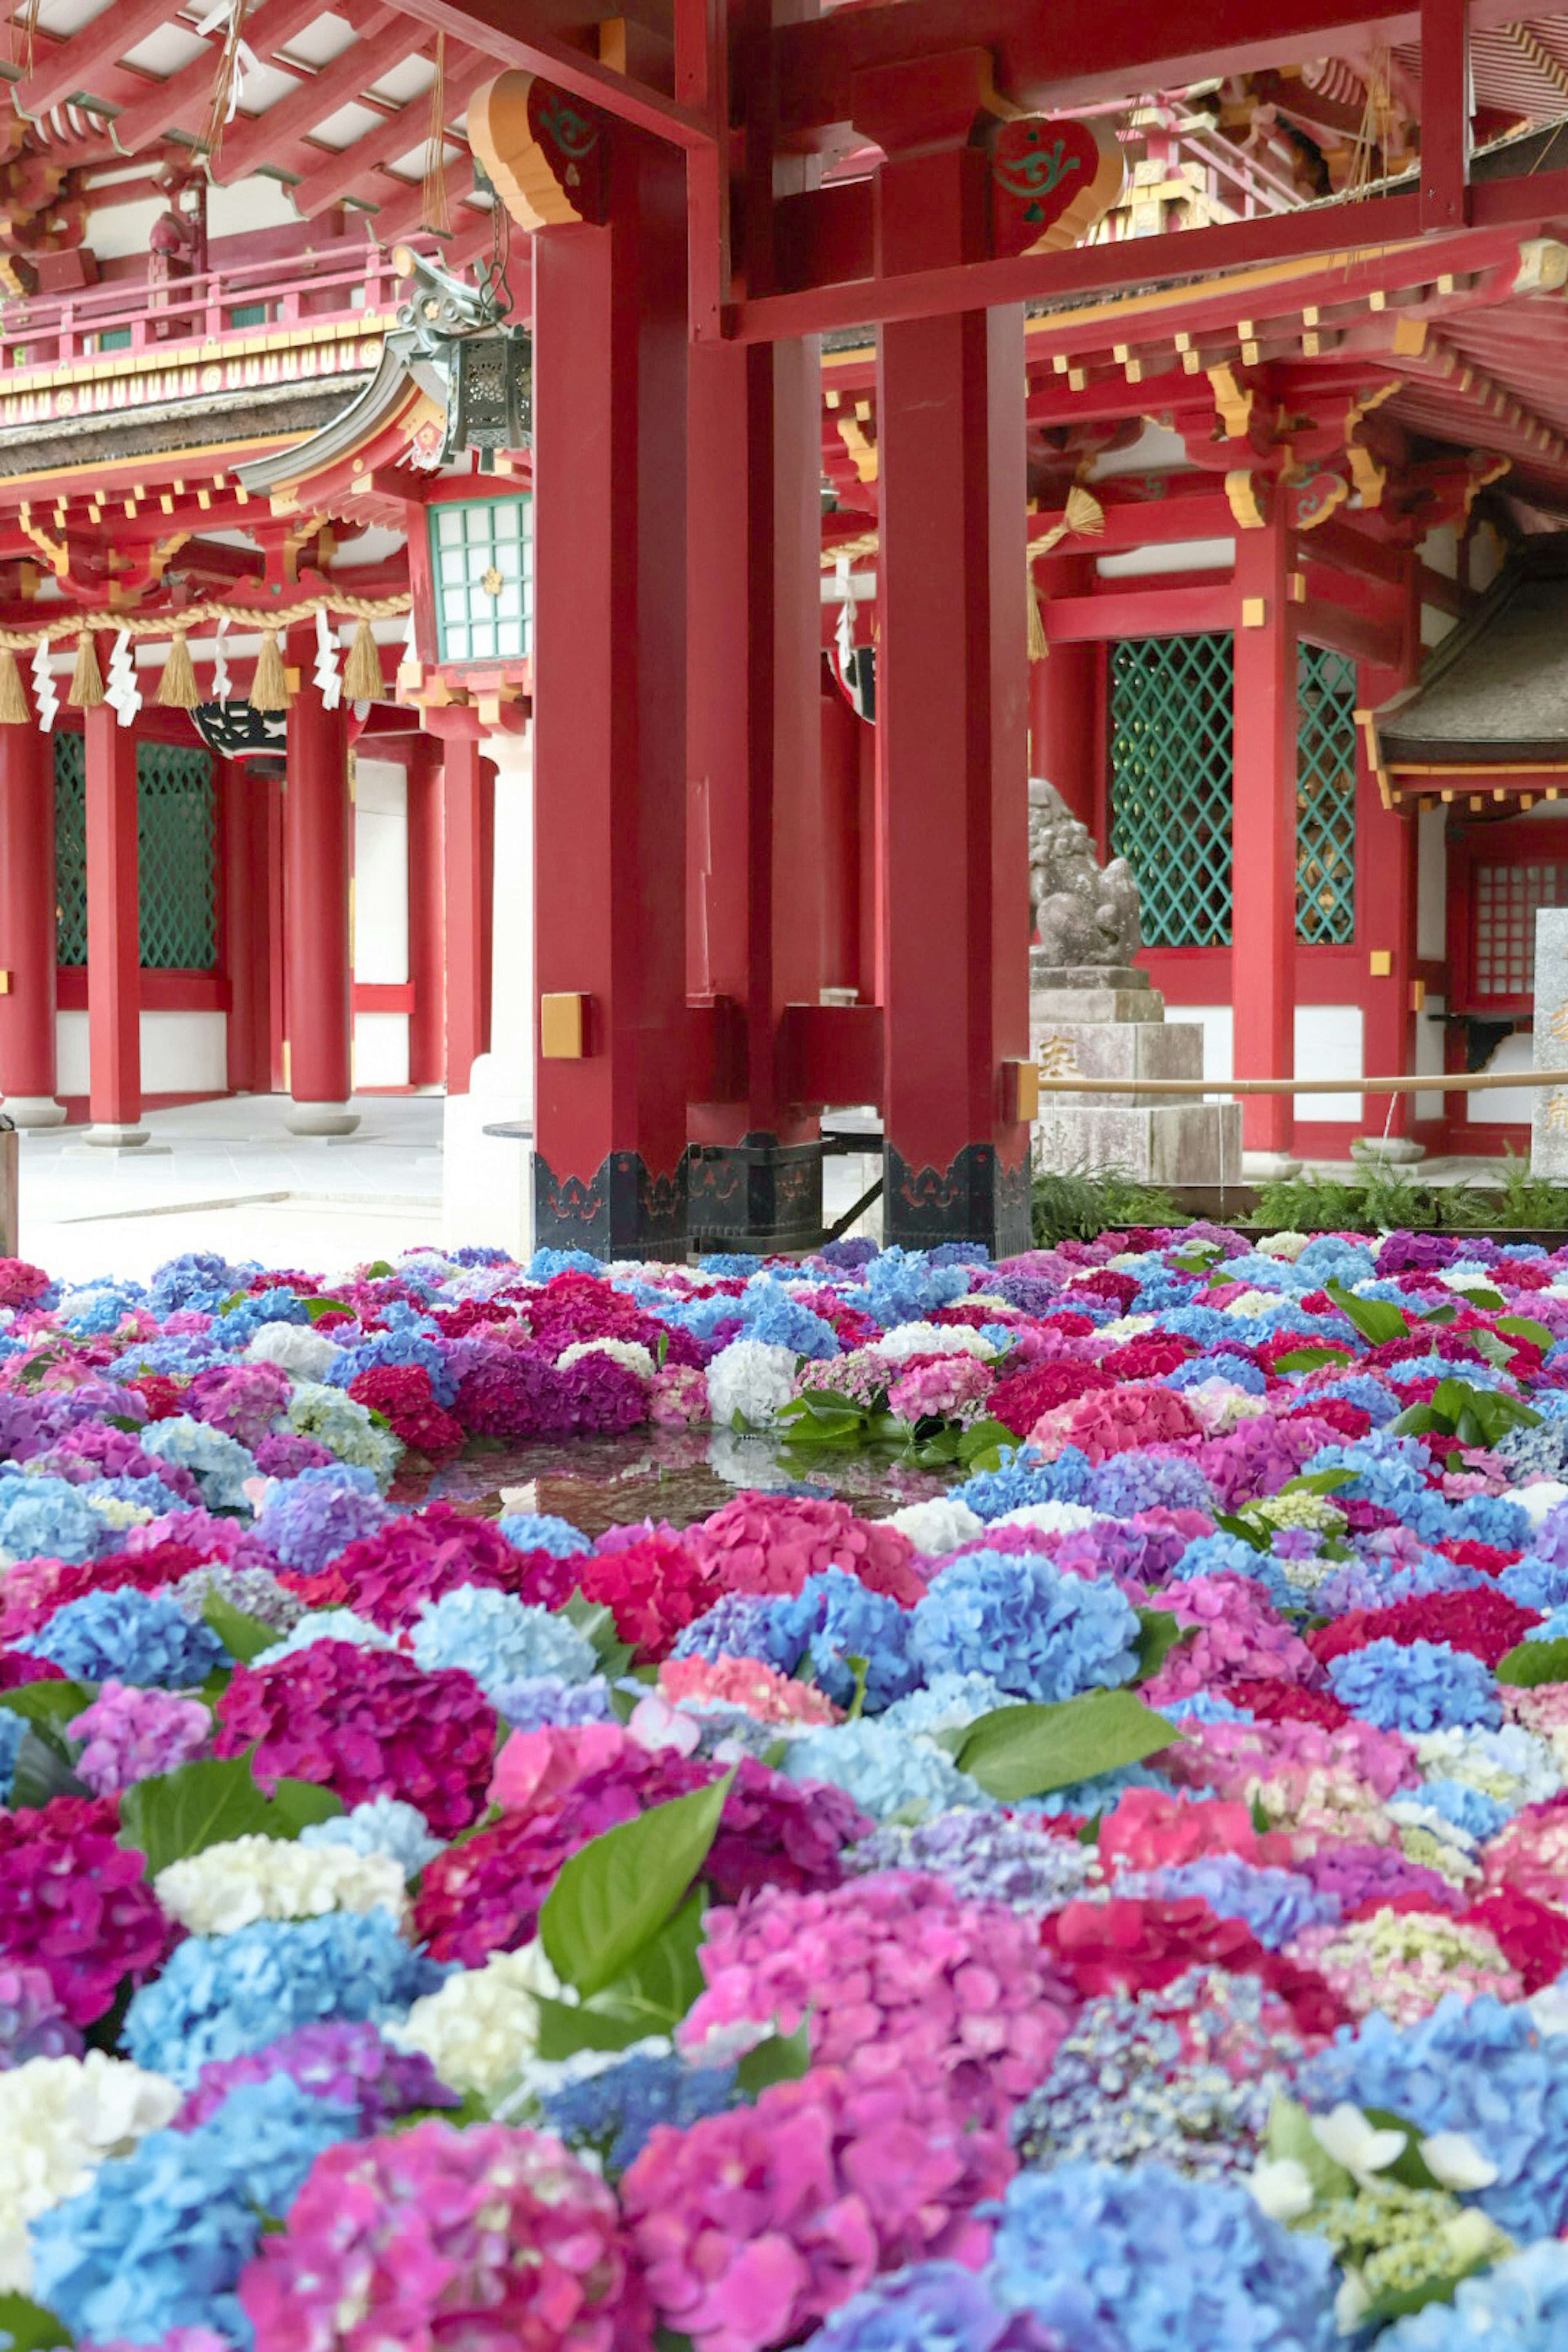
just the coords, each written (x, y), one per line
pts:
(1171, 779)
(1325, 797)
(482, 551)
(176, 846)
(176, 817)
(70, 848)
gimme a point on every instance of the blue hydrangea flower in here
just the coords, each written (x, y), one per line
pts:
(984, 1858)
(49, 1518)
(1469, 1809)
(947, 1702)
(382, 1825)
(992, 1493)
(545, 1263)
(1236, 1372)
(616, 2109)
(1129, 1482)
(1275, 1903)
(1037, 1631)
(1099, 1794)
(739, 1625)
(308, 1520)
(1416, 1687)
(200, 1278)
(1482, 2067)
(1520, 2305)
(729, 1265)
(539, 1702)
(1158, 2262)
(137, 1637)
(769, 1313)
(219, 1464)
(221, 1995)
(834, 1618)
(499, 1638)
(931, 2308)
(904, 1287)
(889, 1775)
(1537, 1580)
(542, 1531)
(157, 2239)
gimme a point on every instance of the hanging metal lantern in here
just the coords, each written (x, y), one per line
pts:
(452, 341)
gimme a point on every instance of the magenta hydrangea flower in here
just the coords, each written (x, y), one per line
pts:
(76, 1904)
(417, 1557)
(132, 1735)
(753, 2225)
(1237, 1634)
(895, 1973)
(489, 2238)
(366, 1723)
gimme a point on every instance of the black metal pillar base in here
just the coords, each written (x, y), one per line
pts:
(621, 1211)
(976, 1198)
(758, 1194)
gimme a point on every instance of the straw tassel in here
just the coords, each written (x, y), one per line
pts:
(1039, 648)
(363, 680)
(13, 710)
(221, 105)
(177, 689)
(269, 687)
(435, 213)
(86, 690)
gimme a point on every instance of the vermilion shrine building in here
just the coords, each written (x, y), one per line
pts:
(625, 724)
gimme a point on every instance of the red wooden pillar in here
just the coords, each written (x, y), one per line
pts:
(754, 755)
(1263, 836)
(245, 851)
(113, 930)
(27, 927)
(952, 693)
(1387, 847)
(1064, 696)
(427, 1021)
(609, 715)
(466, 960)
(317, 862)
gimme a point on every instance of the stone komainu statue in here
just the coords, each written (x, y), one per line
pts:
(1084, 913)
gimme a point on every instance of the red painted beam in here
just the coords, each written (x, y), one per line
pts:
(1141, 522)
(185, 98)
(386, 40)
(1152, 611)
(492, 24)
(1327, 622)
(1047, 58)
(345, 174)
(76, 62)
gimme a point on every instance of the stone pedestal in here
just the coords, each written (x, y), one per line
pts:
(1107, 1022)
(1549, 1126)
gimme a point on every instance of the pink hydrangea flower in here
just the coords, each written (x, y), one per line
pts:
(753, 2225)
(75, 1903)
(489, 2238)
(895, 1972)
(749, 1682)
(132, 1735)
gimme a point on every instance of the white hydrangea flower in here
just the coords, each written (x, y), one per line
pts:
(1124, 1326)
(939, 1525)
(249, 1878)
(297, 1347)
(1352, 2140)
(1536, 1500)
(1219, 1405)
(116, 1511)
(752, 1379)
(1287, 1247)
(932, 1340)
(59, 2119)
(1251, 1303)
(629, 1352)
(1283, 2187)
(1051, 1519)
(481, 2029)
(1456, 2163)
(1515, 1765)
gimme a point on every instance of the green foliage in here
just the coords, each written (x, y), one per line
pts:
(1377, 1319)
(1307, 1204)
(1533, 1663)
(1026, 1751)
(206, 1803)
(821, 1421)
(616, 1894)
(243, 1636)
(27, 2327)
(1470, 1415)
(781, 2058)
(1159, 1634)
(51, 1704)
(1381, 1198)
(1070, 1204)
